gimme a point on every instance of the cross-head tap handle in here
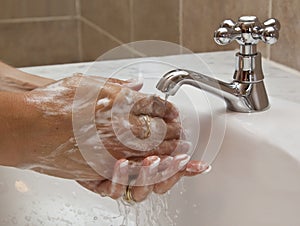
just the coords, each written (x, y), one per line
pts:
(247, 31)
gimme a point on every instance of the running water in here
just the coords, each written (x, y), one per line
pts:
(152, 211)
(166, 97)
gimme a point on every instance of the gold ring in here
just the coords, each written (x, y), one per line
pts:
(147, 120)
(127, 197)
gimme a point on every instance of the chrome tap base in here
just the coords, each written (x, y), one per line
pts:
(246, 93)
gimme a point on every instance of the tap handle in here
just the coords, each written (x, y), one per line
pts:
(247, 31)
(270, 31)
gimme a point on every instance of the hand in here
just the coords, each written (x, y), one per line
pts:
(60, 156)
(53, 131)
(116, 187)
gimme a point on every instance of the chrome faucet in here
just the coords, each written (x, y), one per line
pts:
(246, 93)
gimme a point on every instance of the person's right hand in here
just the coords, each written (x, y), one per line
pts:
(177, 166)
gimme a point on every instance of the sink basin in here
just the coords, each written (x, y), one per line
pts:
(254, 178)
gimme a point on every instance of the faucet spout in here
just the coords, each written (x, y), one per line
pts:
(240, 97)
(246, 92)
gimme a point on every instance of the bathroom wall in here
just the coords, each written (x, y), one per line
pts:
(37, 32)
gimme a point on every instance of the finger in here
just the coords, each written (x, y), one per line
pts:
(195, 167)
(174, 172)
(103, 187)
(130, 83)
(155, 107)
(143, 185)
(192, 168)
(172, 147)
(164, 186)
(133, 84)
(116, 187)
(101, 79)
(173, 130)
(165, 163)
(139, 128)
(167, 147)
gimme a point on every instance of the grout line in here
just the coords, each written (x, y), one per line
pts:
(36, 19)
(104, 32)
(268, 48)
(180, 25)
(79, 29)
(99, 29)
(131, 18)
(270, 8)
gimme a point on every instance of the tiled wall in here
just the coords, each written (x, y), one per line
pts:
(36, 32)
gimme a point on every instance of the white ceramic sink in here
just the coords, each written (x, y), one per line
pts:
(254, 179)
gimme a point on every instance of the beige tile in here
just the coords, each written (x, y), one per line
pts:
(111, 15)
(287, 49)
(95, 43)
(201, 18)
(39, 43)
(36, 8)
(156, 19)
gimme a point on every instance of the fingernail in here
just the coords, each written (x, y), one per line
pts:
(123, 167)
(198, 167)
(120, 174)
(165, 163)
(181, 160)
(134, 82)
(152, 168)
(180, 157)
(148, 171)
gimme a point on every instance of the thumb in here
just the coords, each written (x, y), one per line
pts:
(134, 84)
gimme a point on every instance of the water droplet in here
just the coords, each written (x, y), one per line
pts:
(14, 220)
(28, 218)
(3, 187)
(95, 218)
(74, 194)
(21, 186)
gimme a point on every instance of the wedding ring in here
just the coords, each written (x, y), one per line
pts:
(127, 197)
(147, 120)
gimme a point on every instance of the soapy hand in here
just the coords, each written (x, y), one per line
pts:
(55, 150)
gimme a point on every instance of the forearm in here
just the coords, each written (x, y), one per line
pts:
(12, 79)
(12, 128)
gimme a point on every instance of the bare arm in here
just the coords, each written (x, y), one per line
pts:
(14, 80)
(32, 139)
(12, 121)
